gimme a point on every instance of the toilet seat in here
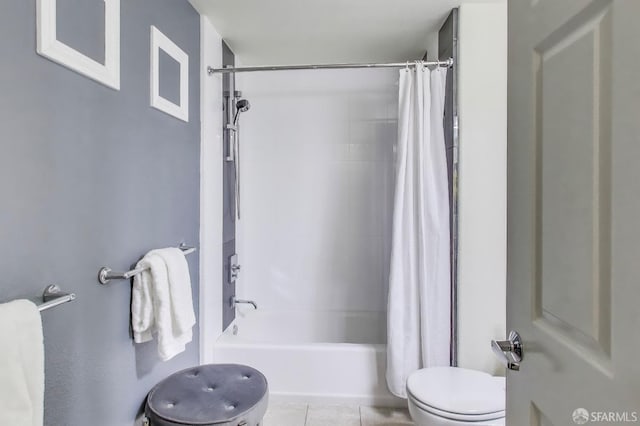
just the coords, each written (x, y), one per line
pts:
(457, 393)
(456, 416)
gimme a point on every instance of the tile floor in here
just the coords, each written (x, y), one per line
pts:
(289, 414)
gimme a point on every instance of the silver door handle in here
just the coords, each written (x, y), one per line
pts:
(509, 352)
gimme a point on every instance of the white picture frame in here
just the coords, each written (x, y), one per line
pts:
(51, 48)
(161, 41)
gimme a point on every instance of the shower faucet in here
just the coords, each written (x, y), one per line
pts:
(235, 301)
(234, 268)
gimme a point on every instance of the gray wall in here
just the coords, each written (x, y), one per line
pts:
(93, 177)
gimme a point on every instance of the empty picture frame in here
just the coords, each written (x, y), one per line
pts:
(50, 47)
(161, 41)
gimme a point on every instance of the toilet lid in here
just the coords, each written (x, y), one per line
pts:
(457, 390)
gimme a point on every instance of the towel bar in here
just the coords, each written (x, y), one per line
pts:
(106, 274)
(53, 296)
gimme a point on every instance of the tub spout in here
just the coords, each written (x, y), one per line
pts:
(248, 302)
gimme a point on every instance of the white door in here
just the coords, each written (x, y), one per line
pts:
(574, 211)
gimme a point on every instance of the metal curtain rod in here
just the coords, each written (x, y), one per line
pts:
(106, 274)
(447, 63)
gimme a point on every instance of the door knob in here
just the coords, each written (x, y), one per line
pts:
(509, 352)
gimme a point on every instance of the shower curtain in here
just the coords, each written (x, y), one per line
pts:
(418, 315)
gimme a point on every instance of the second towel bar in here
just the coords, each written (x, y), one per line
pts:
(53, 297)
(106, 274)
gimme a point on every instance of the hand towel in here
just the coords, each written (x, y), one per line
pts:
(21, 364)
(162, 302)
(180, 287)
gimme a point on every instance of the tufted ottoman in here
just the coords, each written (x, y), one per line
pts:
(209, 395)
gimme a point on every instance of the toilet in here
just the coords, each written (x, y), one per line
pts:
(452, 396)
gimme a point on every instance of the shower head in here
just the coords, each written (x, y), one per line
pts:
(242, 105)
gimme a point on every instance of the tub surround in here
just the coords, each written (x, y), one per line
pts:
(317, 152)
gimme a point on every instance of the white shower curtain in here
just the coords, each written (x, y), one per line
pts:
(418, 316)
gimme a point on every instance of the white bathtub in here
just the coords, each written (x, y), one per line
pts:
(313, 357)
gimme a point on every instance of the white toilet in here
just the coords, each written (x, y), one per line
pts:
(451, 396)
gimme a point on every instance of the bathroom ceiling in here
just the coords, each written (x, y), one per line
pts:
(277, 32)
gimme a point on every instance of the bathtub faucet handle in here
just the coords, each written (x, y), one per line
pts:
(235, 301)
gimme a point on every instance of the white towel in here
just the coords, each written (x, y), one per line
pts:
(162, 302)
(21, 364)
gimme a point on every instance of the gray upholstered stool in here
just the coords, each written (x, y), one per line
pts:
(209, 395)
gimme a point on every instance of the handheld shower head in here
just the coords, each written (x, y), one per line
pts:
(242, 105)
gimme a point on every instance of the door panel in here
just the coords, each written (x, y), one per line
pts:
(572, 89)
(574, 212)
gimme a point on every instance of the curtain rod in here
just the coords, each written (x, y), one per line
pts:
(446, 63)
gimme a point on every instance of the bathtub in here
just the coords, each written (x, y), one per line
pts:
(313, 357)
